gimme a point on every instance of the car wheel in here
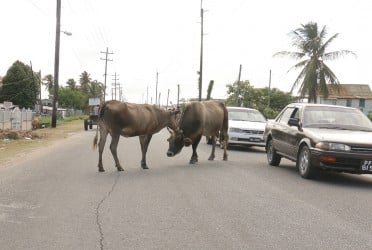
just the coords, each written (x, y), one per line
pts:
(272, 157)
(304, 163)
(85, 125)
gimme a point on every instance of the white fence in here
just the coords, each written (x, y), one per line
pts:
(16, 119)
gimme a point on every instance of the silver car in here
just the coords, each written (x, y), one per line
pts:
(246, 127)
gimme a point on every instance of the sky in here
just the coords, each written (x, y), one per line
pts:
(146, 37)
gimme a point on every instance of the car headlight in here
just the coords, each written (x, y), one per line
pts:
(236, 130)
(332, 146)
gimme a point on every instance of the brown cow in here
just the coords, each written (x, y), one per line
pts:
(208, 118)
(129, 119)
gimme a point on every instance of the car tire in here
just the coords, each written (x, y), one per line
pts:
(303, 163)
(273, 157)
(85, 125)
(209, 140)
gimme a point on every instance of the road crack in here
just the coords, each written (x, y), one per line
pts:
(98, 221)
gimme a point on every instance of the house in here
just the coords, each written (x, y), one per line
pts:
(350, 95)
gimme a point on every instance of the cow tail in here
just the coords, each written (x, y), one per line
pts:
(100, 115)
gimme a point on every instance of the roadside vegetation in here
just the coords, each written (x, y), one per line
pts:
(21, 142)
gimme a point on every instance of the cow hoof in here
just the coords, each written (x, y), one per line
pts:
(145, 167)
(120, 169)
(101, 170)
(210, 158)
(225, 158)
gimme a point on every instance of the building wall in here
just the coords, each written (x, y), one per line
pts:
(354, 103)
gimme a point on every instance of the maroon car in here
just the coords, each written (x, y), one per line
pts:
(320, 137)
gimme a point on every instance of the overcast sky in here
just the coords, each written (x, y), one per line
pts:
(147, 36)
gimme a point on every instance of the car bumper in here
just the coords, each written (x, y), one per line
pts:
(350, 162)
(244, 139)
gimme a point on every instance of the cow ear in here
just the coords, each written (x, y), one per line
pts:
(169, 129)
(187, 142)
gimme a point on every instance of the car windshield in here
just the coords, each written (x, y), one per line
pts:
(246, 115)
(335, 118)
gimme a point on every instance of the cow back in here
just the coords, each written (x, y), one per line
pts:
(204, 118)
(134, 119)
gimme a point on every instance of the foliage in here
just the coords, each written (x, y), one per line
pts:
(312, 52)
(48, 82)
(84, 81)
(20, 85)
(258, 98)
(95, 89)
(210, 88)
(70, 98)
(71, 83)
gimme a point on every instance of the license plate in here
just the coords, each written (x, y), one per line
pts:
(254, 139)
(366, 165)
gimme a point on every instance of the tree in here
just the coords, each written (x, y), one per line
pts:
(20, 85)
(209, 90)
(95, 89)
(71, 98)
(48, 82)
(240, 93)
(257, 98)
(71, 83)
(84, 82)
(312, 52)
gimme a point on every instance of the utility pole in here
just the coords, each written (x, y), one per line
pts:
(178, 96)
(105, 59)
(268, 92)
(156, 88)
(147, 95)
(56, 65)
(201, 50)
(167, 99)
(238, 101)
(115, 85)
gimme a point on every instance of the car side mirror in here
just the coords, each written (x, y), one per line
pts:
(294, 122)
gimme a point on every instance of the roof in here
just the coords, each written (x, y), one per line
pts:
(349, 91)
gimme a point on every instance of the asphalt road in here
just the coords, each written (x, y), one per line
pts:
(55, 198)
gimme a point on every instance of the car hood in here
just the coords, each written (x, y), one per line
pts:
(338, 135)
(247, 125)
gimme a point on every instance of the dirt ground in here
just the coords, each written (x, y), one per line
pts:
(14, 144)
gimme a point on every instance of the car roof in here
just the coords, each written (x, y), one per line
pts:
(239, 108)
(304, 104)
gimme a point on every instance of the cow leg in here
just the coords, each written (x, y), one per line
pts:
(211, 157)
(144, 141)
(101, 145)
(226, 138)
(194, 157)
(113, 147)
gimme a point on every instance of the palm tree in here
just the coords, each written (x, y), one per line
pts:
(312, 51)
(48, 82)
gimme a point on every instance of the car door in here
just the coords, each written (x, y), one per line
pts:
(291, 136)
(280, 129)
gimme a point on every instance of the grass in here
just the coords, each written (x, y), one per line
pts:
(10, 149)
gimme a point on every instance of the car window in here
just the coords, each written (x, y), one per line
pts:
(284, 118)
(335, 117)
(246, 115)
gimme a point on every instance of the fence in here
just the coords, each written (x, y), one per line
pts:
(16, 119)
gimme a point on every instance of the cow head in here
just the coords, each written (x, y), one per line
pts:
(176, 142)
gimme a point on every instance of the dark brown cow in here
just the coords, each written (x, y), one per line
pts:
(128, 119)
(208, 118)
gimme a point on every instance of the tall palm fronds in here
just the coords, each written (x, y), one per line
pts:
(312, 52)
